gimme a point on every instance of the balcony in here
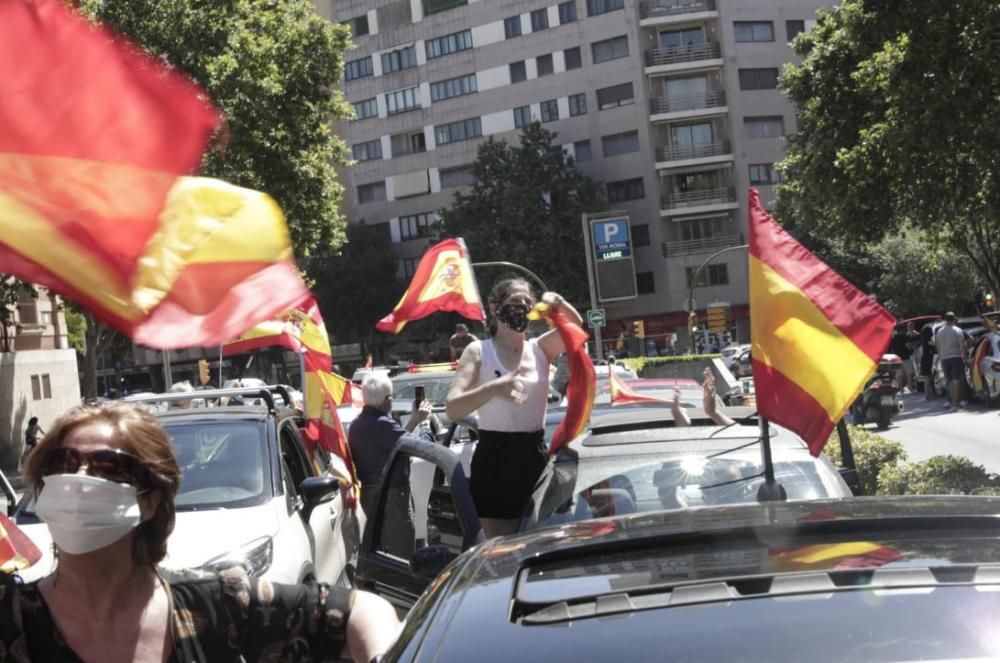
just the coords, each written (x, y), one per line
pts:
(683, 58)
(682, 107)
(698, 201)
(684, 156)
(664, 12)
(707, 245)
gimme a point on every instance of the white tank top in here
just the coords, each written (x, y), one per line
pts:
(503, 414)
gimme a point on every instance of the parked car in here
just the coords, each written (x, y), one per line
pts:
(250, 494)
(876, 579)
(627, 462)
(986, 382)
(359, 375)
(730, 356)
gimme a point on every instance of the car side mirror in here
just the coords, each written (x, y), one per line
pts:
(429, 561)
(316, 490)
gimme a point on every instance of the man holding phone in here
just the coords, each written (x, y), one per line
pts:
(372, 436)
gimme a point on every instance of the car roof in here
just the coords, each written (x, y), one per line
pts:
(423, 377)
(213, 414)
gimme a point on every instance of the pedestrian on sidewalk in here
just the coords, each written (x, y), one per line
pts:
(32, 434)
(950, 343)
(459, 341)
(928, 349)
(902, 346)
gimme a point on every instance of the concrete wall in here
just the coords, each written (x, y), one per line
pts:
(18, 402)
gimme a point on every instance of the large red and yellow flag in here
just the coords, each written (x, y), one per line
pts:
(17, 552)
(300, 329)
(443, 282)
(97, 140)
(815, 338)
(622, 394)
(323, 393)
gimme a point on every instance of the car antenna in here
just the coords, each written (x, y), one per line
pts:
(770, 490)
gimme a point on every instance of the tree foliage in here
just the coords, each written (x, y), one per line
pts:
(525, 207)
(896, 126)
(271, 66)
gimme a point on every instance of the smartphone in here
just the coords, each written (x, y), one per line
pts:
(419, 395)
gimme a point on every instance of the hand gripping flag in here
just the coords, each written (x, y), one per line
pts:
(815, 338)
(443, 282)
(17, 552)
(582, 387)
(96, 142)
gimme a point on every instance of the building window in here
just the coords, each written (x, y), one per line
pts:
(764, 127)
(358, 68)
(365, 109)
(371, 193)
(626, 190)
(36, 387)
(436, 6)
(358, 25)
(544, 66)
(577, 104)
(748, 31)
(550, 110)
(700, 229)
(522, 116)
(640, 234)
(457, 176)
(518, 72)
(581, 151)
(368, 150)
(567, 12)
(609, 49)
(573, 58)
(623, 143)
(711, 275)
(614, 96)
(409, 267)
(416, 225)
(401, 101)
(759, 79)
(539, 20)
(764, 173)
(454, 132)
(793, 28)
(408, 142)
(595, 7)
(394, 15)
(453, 87)
(645, 283)
(403, 58)
(512, 27)
(453, 43)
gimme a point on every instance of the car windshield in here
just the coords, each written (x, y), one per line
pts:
(579, 488)
(436, 388)
(222, 464)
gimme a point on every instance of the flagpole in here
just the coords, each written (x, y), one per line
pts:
(770, 490)
(220, 366)
(694, 280)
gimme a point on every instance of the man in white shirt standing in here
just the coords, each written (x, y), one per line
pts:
(950, 342)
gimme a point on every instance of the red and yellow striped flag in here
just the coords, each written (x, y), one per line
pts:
(17, 552)
(443, 282)
(300, 329)
(622, 394)
(815, 338)
(97, 140)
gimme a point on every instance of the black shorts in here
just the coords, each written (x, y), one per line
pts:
(505, 469)
(954, 368)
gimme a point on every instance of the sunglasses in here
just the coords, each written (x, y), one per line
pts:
(111, 464)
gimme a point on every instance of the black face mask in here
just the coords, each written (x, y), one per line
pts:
(514, 316)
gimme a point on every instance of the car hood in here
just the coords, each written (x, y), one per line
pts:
(201, 536)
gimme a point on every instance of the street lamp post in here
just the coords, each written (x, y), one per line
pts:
(512, 265)
(694, 280)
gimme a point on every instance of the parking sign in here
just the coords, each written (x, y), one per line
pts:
(611, 239)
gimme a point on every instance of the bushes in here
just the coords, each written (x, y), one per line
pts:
(638, 363)
(883, 469)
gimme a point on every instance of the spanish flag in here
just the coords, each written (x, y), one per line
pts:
(300, 329)
(17, 552)
(323, 392)
(97, 140)
(622, 394)
(815, 338)
(443, 282)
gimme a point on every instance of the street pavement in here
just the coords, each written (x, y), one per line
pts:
(926, 429)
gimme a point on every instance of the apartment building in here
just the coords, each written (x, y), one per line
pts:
(671, 104)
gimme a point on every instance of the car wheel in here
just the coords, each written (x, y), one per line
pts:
(884, 415)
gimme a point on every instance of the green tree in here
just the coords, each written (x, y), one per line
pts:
(272, 67)
(896, 113)
(525, 207)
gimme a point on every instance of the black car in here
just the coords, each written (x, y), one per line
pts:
(871, 579)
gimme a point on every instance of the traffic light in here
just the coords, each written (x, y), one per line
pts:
(988, 299)
(639, 329)
(693, 321)
(203, 371)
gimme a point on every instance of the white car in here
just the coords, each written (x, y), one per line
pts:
(249, 494)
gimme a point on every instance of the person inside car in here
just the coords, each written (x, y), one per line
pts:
(505, 378)
(105, 479)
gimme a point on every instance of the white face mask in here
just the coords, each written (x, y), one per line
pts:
(86, 513)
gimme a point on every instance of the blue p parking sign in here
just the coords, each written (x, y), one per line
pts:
(611, 239)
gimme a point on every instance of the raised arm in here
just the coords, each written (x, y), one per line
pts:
(710, 405)
(465, 397)
(681, 417)
(551, 342)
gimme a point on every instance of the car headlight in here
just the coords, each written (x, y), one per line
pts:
(255, 557)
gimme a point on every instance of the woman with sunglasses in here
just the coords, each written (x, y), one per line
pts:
(506, 380)
(105, 478)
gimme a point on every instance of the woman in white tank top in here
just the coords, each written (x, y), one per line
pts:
(506, 380)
